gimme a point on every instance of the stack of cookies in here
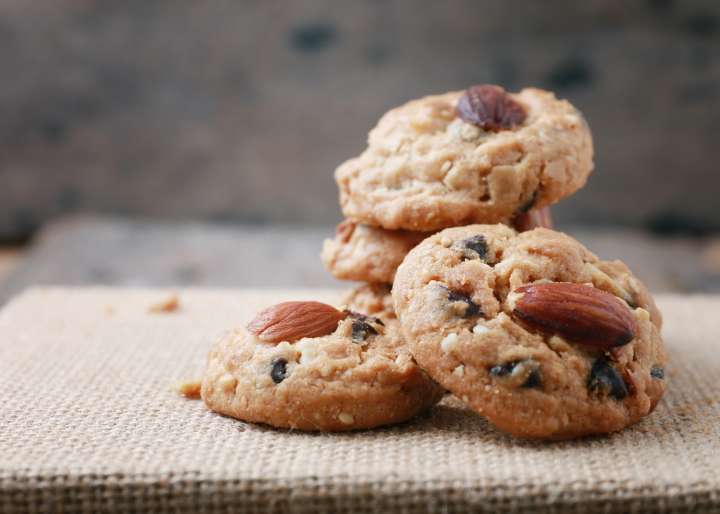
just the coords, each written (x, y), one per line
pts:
(467, 289)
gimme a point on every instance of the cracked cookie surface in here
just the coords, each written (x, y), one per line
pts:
(359, 376)
(425, 168)
(458, 294)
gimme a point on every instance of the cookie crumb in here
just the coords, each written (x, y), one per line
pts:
(169, 304)
(189, 389)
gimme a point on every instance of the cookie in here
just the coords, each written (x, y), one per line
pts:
(372, 254)
(432, 164)
(309, 366)
(532, 330)
(368, 254)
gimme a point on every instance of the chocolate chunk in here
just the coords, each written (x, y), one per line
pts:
(490, 108)
(657, 372)
(605, 380)
(471, 309)
(278, 370)
(361, 330)
(533, 379)
(474, 247)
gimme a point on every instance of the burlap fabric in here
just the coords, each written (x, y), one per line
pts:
(88, 423)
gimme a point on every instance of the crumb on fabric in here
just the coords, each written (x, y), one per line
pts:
(170, 304)
(189, 389)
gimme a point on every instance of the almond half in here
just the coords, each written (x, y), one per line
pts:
(290, 321)
(578, 313)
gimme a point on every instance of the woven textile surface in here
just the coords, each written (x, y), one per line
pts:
(89, 423)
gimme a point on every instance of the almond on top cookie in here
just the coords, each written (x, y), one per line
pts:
(532, 330)
(477, 156)
(310, 366)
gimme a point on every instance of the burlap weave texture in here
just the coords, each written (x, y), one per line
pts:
(88, 423)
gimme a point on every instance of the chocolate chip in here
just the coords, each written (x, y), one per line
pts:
(605, 380)
(490, 108)
(657, 372)
(533, 379)
(361, 330)
(278, 370)
(471, 308)
(474, 247)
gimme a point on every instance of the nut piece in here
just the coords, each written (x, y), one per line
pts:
(490, 108)
(576, 312)
(345, 230)
(189, 389)
(290, 321)
(533, 219)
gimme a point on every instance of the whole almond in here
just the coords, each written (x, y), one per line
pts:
(579, 313)
(290, 321)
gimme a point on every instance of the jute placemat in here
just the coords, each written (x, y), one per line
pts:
(88, 423)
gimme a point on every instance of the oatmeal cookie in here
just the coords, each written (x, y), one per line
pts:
(532, 330)
(358, 374)
(478, 156)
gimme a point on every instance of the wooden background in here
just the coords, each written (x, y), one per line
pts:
(240, 110)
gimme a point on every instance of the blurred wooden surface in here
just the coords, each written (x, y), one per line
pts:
(120, 252)
(241, 110)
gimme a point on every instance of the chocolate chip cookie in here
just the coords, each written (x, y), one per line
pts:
(309, 366)
(476, 156)
(532, 330)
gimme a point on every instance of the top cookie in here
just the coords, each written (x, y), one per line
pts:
(532, 330)
(479, 156)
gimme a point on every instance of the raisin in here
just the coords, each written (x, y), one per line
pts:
(361, 330)
(471, 308)
(490, 108)
(363, 317)
(278, 370)
(657, 372)
(474, 247)
(533, 379)
(362, 326)
(604, 379)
